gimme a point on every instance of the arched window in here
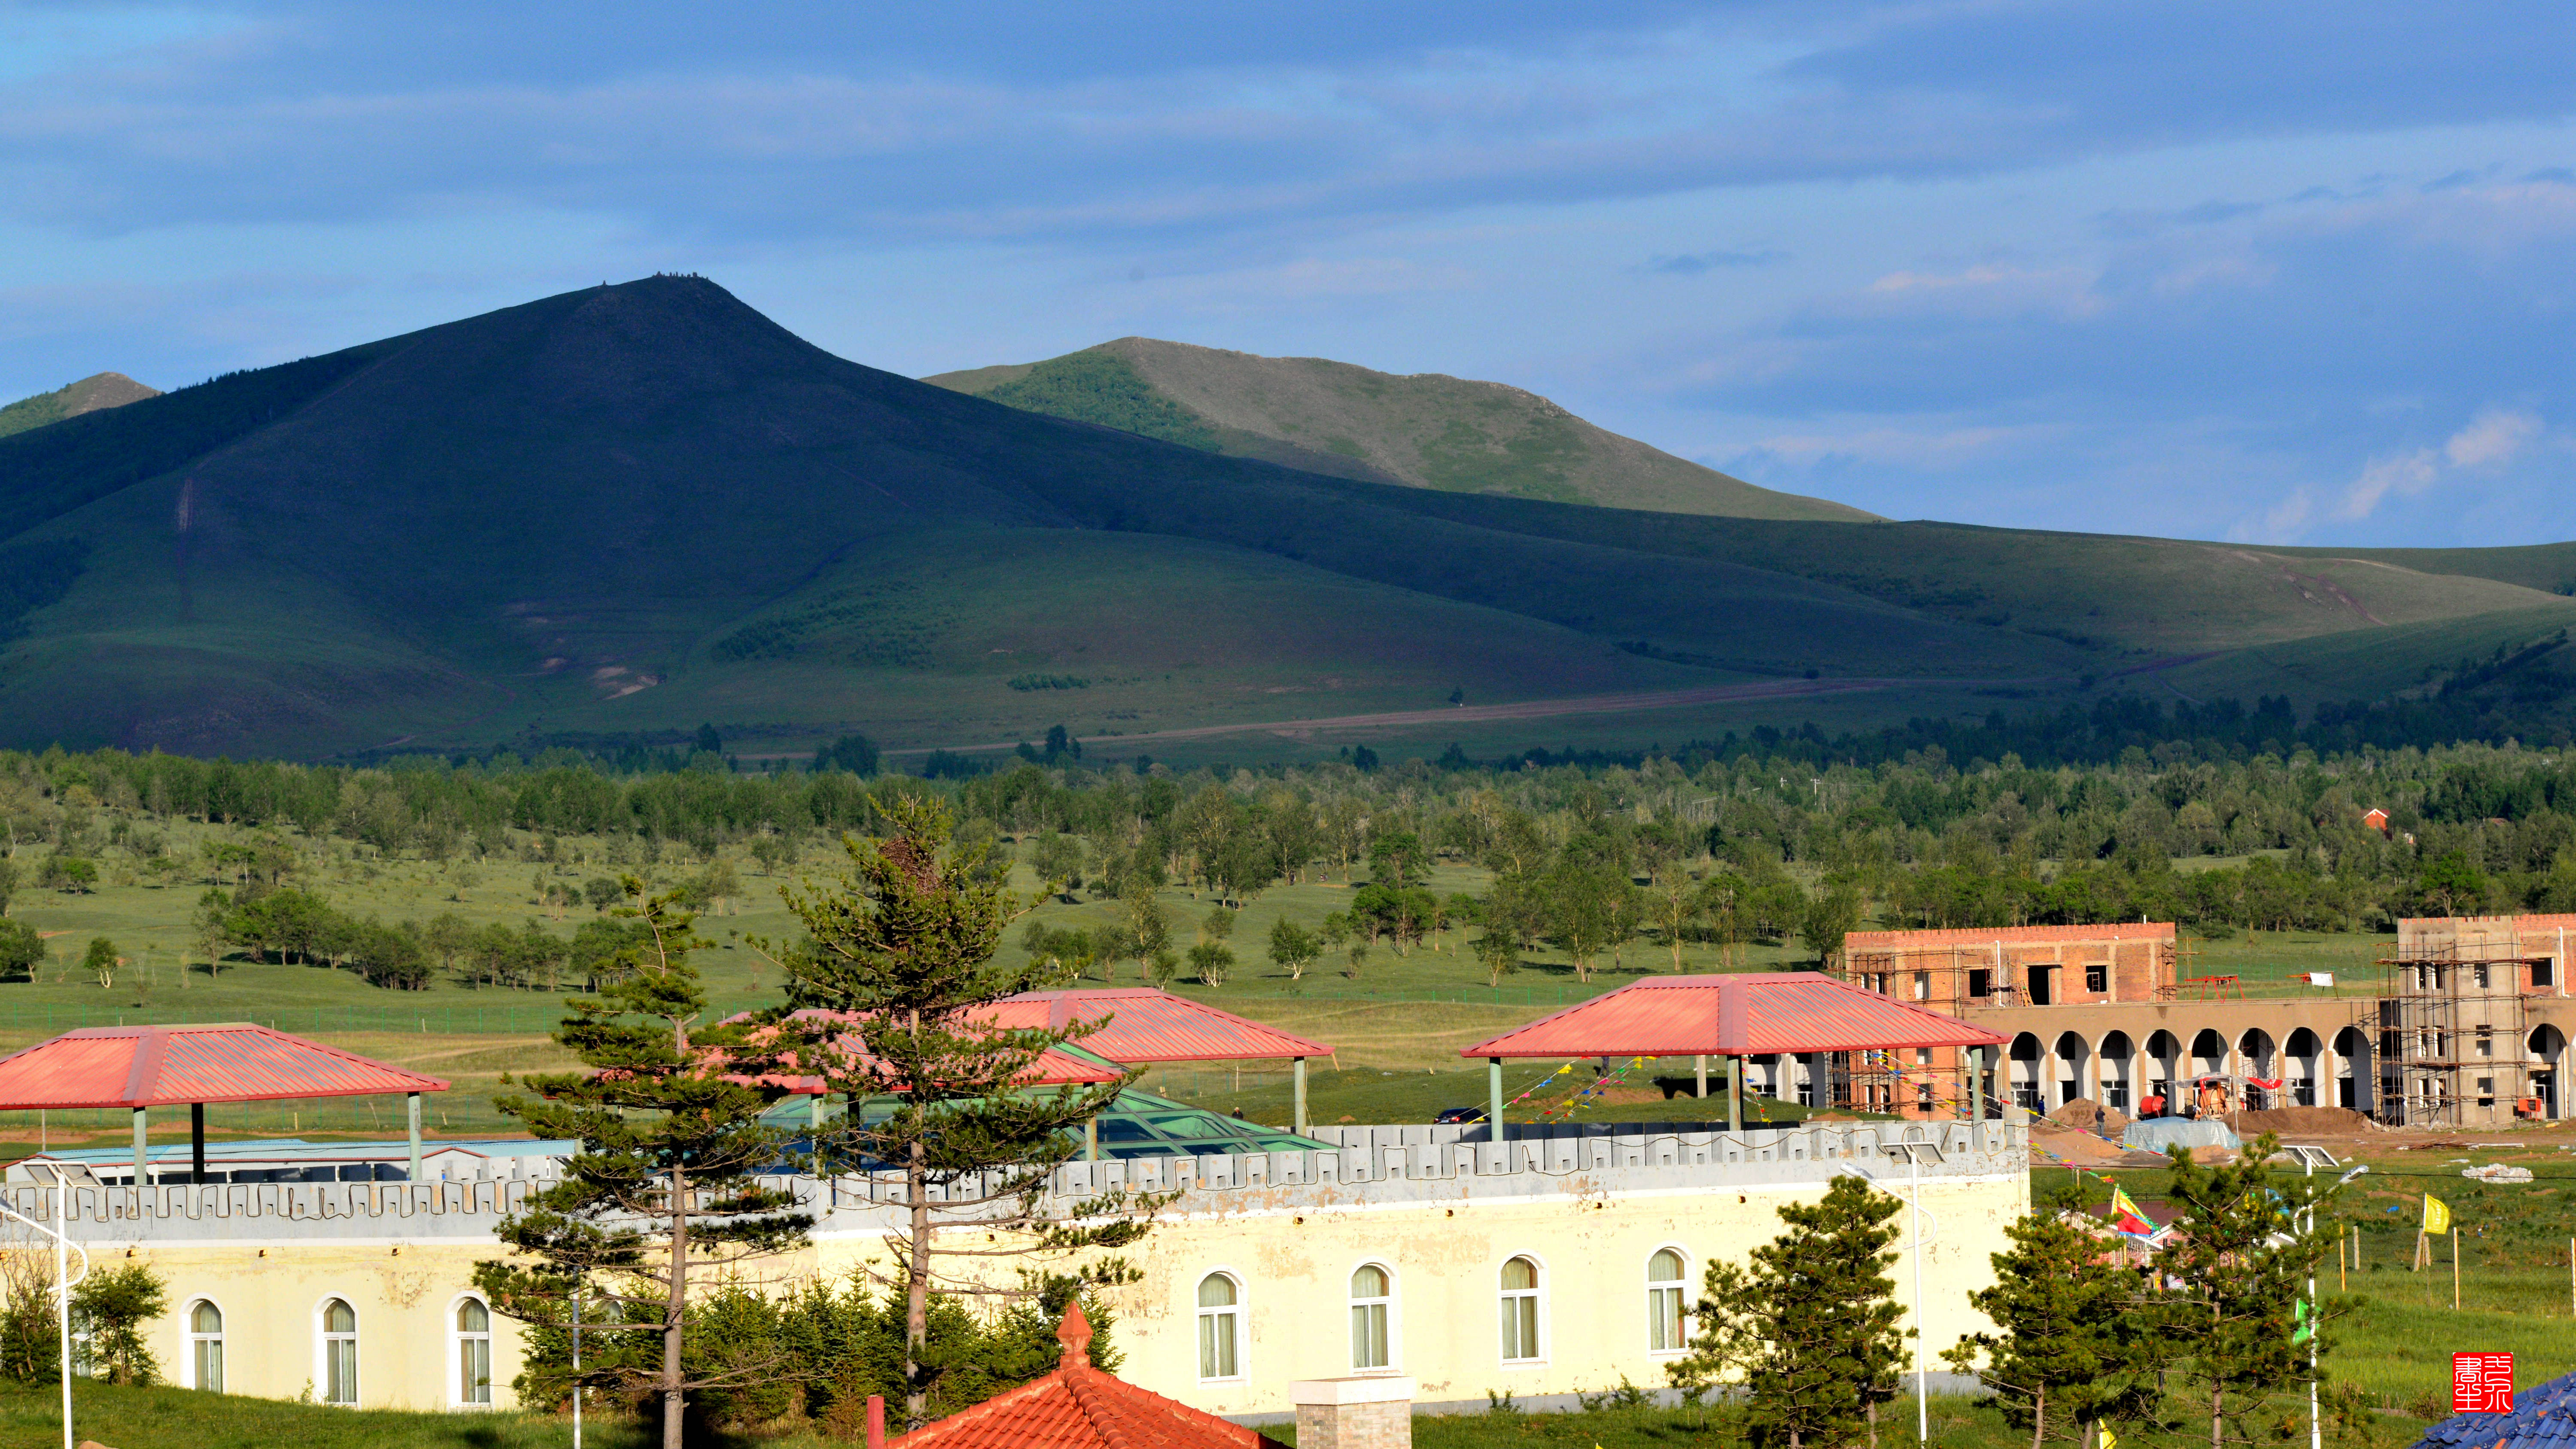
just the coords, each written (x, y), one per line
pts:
(1372, 1296)
(1520, 1312)
(1220, 1327)
(1664, 1301)
(205, 1347)
(473, 1352)
(339, 1352)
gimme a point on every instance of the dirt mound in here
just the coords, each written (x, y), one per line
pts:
(2291, 1120)
(2088, 1115)
(2067, 1144)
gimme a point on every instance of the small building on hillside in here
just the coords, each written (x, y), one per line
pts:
(2376, 819)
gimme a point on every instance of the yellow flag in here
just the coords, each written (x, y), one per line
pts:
(2437, 1215)
(2108, 1439)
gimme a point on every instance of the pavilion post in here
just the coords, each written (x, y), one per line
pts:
(142, 1157)
(196, 1144)
(1091, 1139)
(1298, 1125)
(1700, 1063)
(1493, 1099)
(1976, 1084)
(411, 1111)
(1735, 1094)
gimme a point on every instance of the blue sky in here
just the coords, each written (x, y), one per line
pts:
(2295, 273)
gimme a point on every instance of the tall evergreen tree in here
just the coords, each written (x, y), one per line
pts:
(663, 1192)
(2075, 1344)
(884, 997)
(2240, 1261)
(1811, 1328)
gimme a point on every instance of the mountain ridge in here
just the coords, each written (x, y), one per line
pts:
(1425, 430)
(630, 508)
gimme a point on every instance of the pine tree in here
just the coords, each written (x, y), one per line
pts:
(2241, 1262)
(1812, 1327)
(885, 996)
(2075, 1345)
(663, 1192)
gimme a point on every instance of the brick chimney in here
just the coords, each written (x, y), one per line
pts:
(1370, 1413)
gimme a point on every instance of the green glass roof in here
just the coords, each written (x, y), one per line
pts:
(1137, 1124)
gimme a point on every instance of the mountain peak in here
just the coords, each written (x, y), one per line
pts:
(95, 393)
(1424, 430)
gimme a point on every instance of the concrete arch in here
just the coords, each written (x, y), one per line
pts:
(2301, 1060)
(2070, 1069)
(2163, 1063)
(2119, 1075)
(2209, 1054)
(2023, 1064)
(2257, 1055)
(2546, 1050)
(2354, 1075)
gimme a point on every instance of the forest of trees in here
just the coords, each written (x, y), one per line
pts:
(1766, 838)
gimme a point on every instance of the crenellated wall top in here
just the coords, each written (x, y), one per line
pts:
(1368, 1167)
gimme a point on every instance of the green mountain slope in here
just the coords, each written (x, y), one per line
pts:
(89, 395)
(1429, 430)
(633, 508)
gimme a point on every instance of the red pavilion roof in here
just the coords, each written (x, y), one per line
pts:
(159, 1066)
(1147, 1024)
(1736, 1015)
(1052, 1068)
(1080, 1407)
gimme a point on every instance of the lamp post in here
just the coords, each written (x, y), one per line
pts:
(64, 1247)
(2316, 1428)
(1922, 1366)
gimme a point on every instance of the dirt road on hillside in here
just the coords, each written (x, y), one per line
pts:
(1476, 713)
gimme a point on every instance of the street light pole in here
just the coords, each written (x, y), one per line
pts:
(2316, 1427)
(63, 1281)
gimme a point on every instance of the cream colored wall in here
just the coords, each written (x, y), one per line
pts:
(272, 1294)
(1295, 1268)
(1294, 1263)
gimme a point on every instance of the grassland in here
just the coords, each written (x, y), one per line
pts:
(1397, 1023)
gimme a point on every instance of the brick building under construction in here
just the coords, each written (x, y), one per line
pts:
(2466, 1026)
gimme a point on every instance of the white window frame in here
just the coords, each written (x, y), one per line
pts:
(191, 1337)
(457, 1338)
(1394, 1302)
(1238, 1311)
(1682, 1285)
(1539, 1292)
(323, 1338)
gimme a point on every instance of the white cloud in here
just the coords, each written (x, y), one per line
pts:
(2494, 438)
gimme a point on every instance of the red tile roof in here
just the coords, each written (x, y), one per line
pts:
(1052, 1068)
(1734, 1015)
(1147, 1024)
(1080, 1407)
(158, 1066)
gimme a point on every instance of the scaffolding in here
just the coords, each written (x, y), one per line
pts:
(2449, 1029)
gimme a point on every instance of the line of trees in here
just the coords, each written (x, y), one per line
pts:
(2208, 1334)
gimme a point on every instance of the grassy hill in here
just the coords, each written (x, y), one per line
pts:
(89, 395)
(629, 509)
(1428, 430)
